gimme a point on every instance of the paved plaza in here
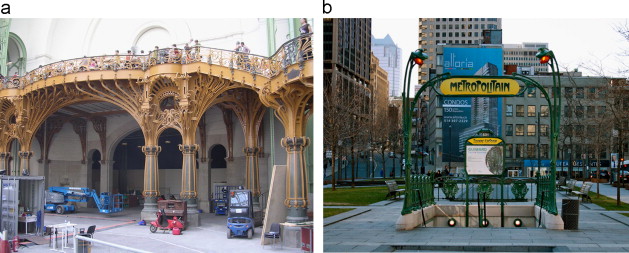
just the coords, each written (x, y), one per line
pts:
(372, 228)
(123, 229)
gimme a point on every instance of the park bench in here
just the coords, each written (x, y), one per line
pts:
(583, 193)
(393, 189)
(569, 186)
(561, 182)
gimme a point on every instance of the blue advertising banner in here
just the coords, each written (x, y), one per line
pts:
(463, 117)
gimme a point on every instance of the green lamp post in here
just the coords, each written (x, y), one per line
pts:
(547, 56)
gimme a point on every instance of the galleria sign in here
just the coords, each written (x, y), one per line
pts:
(479, 86)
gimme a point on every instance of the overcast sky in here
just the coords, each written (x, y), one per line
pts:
(576, 42)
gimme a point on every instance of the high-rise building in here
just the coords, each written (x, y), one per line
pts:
(389, 55)
(451, 31)
(523, 56)
(379, 89)
(346, 61)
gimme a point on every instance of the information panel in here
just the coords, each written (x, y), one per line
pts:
(484, 160)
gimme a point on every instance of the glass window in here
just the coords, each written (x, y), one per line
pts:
(567, 111)
(544, 151)
(530, 130)
(601, 111)
(509, 112)
(578, 130)
(543, 130)
(592, 93)
(568, 92)
(578, 112)
(531, 111)
(509, 129)
(519, 130)
(591, 112)
(519, 150)
(530, 151)
(519, 110)
(543, 109)
(580, 92)
(567, 130)
(531, 92)
(509, 151)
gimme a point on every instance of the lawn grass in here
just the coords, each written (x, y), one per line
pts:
(327, 212)
(607, 202)
(359, 196)
(625, 214)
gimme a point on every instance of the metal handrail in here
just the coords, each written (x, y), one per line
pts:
(291, 52)
(117, 246)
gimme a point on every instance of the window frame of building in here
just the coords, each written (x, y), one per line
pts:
(531, 129)
(544, 130)
(579, 111)
(544, 149)
(568, 92)
(530, 151)
(519, 110)
(591, 93)
(543, 111)
(590, 111)
(601, 111)
(580, 92)
(509, 130)
(531, 111)
(519, 130)
(509, 151)
(509, 111)
(531, 92)
(519, 151)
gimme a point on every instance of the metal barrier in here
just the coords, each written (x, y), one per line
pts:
(546, 185)
(293, 51)
(419, 193)
(84, 247)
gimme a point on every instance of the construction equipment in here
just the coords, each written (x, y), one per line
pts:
(58, 199)
(240, 214)
(219, 198)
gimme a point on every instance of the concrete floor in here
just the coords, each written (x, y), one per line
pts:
(372, 228)
(123, 229)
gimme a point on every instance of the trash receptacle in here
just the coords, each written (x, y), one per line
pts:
(570, 213)
(84, 246)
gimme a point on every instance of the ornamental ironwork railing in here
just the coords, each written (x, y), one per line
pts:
(291, 52)
(419, 193)
(546, 194)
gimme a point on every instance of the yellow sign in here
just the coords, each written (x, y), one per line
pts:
(484, 141)
(480, 86)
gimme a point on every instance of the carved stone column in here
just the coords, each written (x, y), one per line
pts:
(297, 186)
(4, 157)
(253, 173)
(189, 181)
(106, 175)
(151, 181)
(25, 159)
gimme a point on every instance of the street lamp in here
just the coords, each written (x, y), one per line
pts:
(547, 56)
(416, 58)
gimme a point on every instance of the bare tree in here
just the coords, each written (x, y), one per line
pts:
(345, 107)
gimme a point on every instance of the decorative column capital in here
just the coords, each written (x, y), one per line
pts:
(25, 154)
(251, 151)
(151, 150)
(295, 143)
(188, 149)
(4, 155)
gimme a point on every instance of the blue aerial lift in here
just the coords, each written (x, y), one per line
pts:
(58, 199)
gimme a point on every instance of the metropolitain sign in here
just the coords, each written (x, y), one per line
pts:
(479, 86)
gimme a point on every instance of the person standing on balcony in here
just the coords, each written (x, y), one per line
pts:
(197, 50)
(245, 50)
(305, 28)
